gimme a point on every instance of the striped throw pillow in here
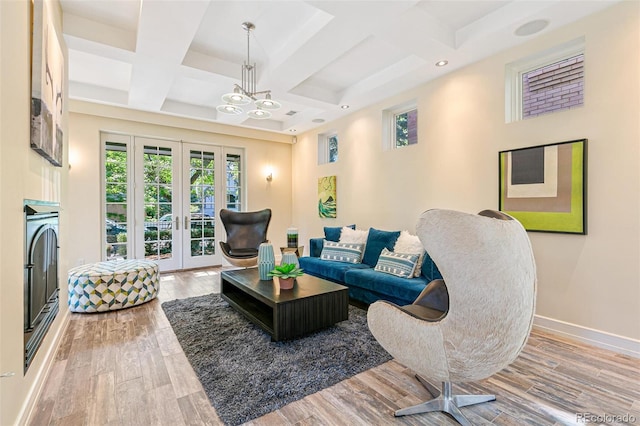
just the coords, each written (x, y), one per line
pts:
(398, 264)
(342, 252)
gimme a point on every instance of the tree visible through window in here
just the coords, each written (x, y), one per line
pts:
(327, 147)
(115, 163)
(406, 125)
(333, 148)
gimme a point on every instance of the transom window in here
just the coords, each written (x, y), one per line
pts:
(400, 126)
(406, 125)
(546, 82)
(327, 148)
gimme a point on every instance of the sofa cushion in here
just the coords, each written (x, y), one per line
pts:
(327, 269)
(398, 264)
(404, 290)
(332, 233)
(342, 252)
(376, 241)
(315, 246)
(408, 243)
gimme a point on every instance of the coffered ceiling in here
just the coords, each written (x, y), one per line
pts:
(179, 57)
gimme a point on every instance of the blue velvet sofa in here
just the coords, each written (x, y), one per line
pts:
(365, 284)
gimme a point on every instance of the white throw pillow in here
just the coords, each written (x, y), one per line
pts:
(353, 236)
(407, 243)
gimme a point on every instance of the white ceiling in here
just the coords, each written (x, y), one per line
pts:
(179, 56)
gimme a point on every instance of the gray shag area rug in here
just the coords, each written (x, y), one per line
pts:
(246, 375)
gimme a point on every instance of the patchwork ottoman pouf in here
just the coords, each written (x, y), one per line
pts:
(112, 285)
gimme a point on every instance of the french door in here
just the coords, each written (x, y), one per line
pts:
(203, 177)
(162, 199)
(157, 202)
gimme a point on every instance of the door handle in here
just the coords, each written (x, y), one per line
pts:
(177, 223)
(186, 222)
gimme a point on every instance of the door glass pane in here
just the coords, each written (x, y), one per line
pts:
(115, 163)
(202, 201)
(234, 182)
(158, 210)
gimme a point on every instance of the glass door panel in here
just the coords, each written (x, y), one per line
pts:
(158, 179)
(201, 179)
(116, 197)
(234, 181)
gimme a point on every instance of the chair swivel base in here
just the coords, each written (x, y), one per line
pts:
(445, 402)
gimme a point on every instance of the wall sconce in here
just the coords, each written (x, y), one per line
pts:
(270, 177)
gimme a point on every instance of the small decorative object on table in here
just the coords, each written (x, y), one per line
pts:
(290, 257)
(286, 274)
(292, 237)
(266, 260)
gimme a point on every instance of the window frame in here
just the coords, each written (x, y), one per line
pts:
(389, 115)
(324, 152)
(127, 140)
(515, 70)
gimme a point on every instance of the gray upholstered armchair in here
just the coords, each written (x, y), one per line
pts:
(490, 282)
(245, 232)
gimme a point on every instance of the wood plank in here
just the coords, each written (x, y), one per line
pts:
(110, 364)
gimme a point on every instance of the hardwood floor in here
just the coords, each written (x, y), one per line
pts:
(127, 368)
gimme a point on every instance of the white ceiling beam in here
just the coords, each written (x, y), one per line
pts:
(90, 92)
(390, 74)
(165, 32)
(80, 28)
(343, 32)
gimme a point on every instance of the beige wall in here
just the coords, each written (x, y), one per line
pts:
(23, 175)
(591, 281)
(262, 150)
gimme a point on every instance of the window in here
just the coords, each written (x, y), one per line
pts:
(553, 87)
(116, 193)
(548, 82)
(327, 148)
(406, 125)
(234, 182)
(400, 125)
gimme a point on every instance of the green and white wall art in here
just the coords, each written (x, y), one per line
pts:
(544, 186)
(327, 202)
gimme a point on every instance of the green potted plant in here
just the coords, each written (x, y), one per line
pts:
(286, 274)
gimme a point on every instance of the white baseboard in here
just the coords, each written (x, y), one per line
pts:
(36, 389)
(601, 339)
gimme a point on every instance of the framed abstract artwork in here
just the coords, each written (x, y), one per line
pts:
(47, 90)
(327, 203)
(545, 186)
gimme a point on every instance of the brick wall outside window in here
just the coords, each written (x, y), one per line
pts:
(553, 87)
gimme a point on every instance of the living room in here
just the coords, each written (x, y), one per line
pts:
(454, 165)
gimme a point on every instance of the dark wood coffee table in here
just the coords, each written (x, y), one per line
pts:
(312, 304)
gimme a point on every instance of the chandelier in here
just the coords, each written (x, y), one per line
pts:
(245, 93)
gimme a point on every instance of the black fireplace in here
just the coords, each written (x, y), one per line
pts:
(40, 273)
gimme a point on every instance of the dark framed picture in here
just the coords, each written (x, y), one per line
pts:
(545, 186)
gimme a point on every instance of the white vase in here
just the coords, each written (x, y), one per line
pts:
(266, 261)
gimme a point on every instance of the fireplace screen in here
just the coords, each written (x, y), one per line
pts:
(41, 273)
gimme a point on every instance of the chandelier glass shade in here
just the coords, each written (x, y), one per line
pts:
(246, 92)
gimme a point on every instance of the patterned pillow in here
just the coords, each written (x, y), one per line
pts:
(342, 252)
(407, 243)
(398, 264)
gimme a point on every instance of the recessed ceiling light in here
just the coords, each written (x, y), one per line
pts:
(292, 130)
(441, 63)
(531, 27)
(318, 120)
(344, 106)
